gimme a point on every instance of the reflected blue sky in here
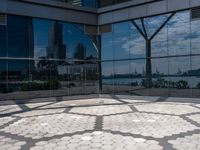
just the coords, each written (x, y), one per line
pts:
(173, 39)
(41, 34)
(72, 39)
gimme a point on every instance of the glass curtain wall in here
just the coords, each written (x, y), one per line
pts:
(93, 3)
(103, 3)
(157, 56)
(43, 58)
(85, 3)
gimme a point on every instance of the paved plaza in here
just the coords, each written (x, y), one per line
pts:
(100, 124)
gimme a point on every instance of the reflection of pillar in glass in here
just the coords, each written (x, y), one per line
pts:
(56, 48)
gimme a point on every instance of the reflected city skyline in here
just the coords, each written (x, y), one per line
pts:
(46, 58)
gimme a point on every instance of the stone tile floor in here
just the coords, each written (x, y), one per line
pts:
(100, 124)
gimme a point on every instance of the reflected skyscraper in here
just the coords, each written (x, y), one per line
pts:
(56, 47)
(79, 51)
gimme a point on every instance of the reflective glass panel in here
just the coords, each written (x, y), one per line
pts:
(195, 36)
(179, 77)
(3, 79)
(121, 45)
(107, 47)
(39, 78)
(121, 40)
(3, 41)
(121, 27)
(91, 78)
(74, 41)
(76, 71)
(159, 43)
(152, 24)
(107, 77)
(20, 37)
(195, 73)
(138, 77)
(137, 44)
(90, 3)
(18, 79)
(86, 3)
(122, 80)
(41, 38)
(56, 48)
(179, 66)
(179, 34)
(59, 83)
(160, 79)
(91, 45)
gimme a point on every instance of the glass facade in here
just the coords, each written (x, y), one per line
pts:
(103, 3)
(85, 3)
(43, 58)
(156, 56)
(93, 3)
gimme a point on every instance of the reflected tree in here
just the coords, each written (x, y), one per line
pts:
(142, 28)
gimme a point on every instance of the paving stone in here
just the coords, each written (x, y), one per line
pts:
(165, 125)
(195, 118)
(101, 110)
(10, 144)
(187, 143)
(109, 142)
(51, 125)
(39, 113)
(39, 105)
(5, 120)
(6, 109)
(66, 103)
(55, 129)
(198, 105)
(168, 108)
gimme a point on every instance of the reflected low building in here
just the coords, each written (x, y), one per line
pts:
(82, 47)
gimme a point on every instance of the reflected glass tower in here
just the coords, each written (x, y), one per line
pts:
(56, 48)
